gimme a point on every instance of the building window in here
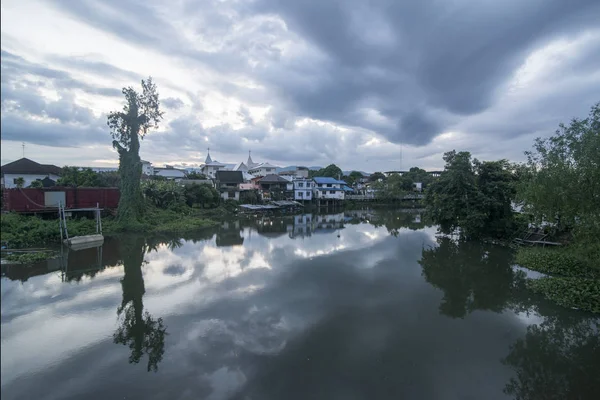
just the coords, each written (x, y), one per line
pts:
(301, 184)
(329, 185)
(331, 192)
(231, 195)
(300, 194)
(320, 185)
(307, 194)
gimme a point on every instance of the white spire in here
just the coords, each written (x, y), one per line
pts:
(250, 163)
(208, 159)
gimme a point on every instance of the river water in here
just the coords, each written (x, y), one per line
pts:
(355, 305)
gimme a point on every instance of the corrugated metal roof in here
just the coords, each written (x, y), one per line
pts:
(272, 178)
(327, 180)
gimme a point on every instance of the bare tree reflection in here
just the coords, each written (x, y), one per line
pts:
(137, 329)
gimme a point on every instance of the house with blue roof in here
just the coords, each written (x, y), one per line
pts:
(327, 188)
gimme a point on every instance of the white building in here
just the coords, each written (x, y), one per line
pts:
(147, 168)
(262, 169)
(303, 189)
(211, 167)
(169, 172)
(297, 172)
(328, 188)
(29, 170)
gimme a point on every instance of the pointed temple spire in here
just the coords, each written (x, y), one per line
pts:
(208, 159)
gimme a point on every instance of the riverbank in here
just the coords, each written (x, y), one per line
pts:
(573, 275)
(19, 231)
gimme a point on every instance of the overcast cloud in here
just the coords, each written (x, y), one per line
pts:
(367, 84)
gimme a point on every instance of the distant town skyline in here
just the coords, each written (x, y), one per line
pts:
(368, 85)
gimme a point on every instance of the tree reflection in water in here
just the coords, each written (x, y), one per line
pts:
(137, 329)
(472, 275)
(394, 220)
(556, 359)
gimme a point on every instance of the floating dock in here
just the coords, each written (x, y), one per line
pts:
(273, 206)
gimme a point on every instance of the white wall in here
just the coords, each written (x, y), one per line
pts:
(225, 196)
(306, 194)
(211, 170)
(169, 173)
(263, 171)
(147, 169)
(9, 179)
(326, 194)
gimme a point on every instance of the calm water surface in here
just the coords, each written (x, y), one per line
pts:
(361, 305)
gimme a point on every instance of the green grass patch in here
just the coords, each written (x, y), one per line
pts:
(566, 262)
(30, 258)
(580, 293)
(19, 231)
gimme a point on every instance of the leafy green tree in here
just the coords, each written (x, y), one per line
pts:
(20, 182)
(78, 177)
(562, 181)
(392, 188)
(201, 194)
(109, 179)
(414, 175)
(496, 183)
(332, 171)
(353, 178)
(375, 176)
(451, 200)
(37, 184)
(249, 197)
(473, 197)
(140, 114)
(164, 194)
(194, 175)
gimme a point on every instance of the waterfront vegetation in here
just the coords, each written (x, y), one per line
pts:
(30, 257)
(19, 231)
(558, 188)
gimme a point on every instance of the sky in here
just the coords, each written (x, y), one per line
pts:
(366, 84)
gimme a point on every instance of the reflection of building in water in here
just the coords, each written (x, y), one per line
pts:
(272, 227)
(308, 224)
(302, 227)
(328, 223)
(417, 219)
(229, 234)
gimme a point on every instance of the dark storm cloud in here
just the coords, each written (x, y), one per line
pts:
(390, 55)
(53, 134)
(454, 55)
(15, 69)
(408, 71)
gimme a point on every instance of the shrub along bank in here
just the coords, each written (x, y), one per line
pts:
(18, 231)
(574, 277)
